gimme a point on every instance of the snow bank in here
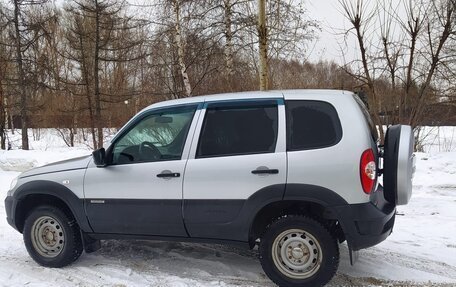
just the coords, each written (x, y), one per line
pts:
(46, 146)
(51, 139)
(438, 139)
(19, 160)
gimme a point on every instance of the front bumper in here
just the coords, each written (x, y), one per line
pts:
(10, 205)
(367, 224)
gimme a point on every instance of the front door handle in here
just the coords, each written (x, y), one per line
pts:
(168, 174)
(265, 171)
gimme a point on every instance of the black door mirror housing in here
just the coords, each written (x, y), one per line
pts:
(99, 157)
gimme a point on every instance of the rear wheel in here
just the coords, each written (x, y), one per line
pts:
(52, 237)
(299, 251)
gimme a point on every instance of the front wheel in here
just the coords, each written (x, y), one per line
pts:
(52, 237)
(299, 251)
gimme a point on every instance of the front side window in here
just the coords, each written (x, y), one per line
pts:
(311, 125)
(238, 130)
(157, 137)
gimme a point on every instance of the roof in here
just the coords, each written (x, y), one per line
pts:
(305, 93)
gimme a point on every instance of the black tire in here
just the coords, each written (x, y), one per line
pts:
(328, 244)
(71, 245)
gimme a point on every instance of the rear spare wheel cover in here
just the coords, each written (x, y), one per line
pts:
(405, 165)
(399, 164)
(390, 163)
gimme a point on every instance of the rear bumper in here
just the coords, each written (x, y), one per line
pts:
(367, 224)
(10, 205)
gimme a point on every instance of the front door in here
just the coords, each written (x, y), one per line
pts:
(237, 162)
(140, 190)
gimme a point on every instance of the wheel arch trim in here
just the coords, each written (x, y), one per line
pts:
(50, 188)
(296, 192)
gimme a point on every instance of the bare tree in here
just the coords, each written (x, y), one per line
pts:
(26, 28)
(21, 74)
(176, 6)
(401, 69)
(286, 33)
(228, 19)
(359, 18)
(103, 41)
(263, 45)
(3, 68)
(440, 26)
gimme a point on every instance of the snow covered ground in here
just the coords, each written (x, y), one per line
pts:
(420, 252)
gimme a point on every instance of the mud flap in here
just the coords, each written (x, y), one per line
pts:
(90, 245)
(354, 255)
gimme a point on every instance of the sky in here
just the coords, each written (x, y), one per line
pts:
(332, 21)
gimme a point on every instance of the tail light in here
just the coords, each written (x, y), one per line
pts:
(368, 170)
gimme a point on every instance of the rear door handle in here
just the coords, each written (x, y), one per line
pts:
(168, 174)
(265, 171)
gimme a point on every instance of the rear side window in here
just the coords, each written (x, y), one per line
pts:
(238, 130)
(311, 125)
(367, 116)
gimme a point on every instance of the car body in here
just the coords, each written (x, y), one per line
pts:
(229, 168)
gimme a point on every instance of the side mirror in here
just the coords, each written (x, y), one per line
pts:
(99, 157)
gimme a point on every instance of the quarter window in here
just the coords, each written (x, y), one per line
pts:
(311, 125)
(372, 126)
(157, 137)
(238, 130)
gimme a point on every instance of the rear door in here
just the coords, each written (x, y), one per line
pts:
(238, 152)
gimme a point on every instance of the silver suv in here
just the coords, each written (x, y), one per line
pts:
(294, 172)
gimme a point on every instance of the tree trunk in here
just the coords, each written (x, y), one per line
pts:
(372, 96)
(3, 116)
(97, 78)
(71, 136)
(408, 80)
(180, 49)
(229, 71)
(9, 116)
(263, 45)
(85, 76)
(21, 77)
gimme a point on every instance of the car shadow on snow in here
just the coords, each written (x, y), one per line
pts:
(229, 264)
(208, 262)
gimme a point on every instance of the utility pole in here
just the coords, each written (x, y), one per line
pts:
(263, 45)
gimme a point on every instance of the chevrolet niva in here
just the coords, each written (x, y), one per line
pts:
(294, 172)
